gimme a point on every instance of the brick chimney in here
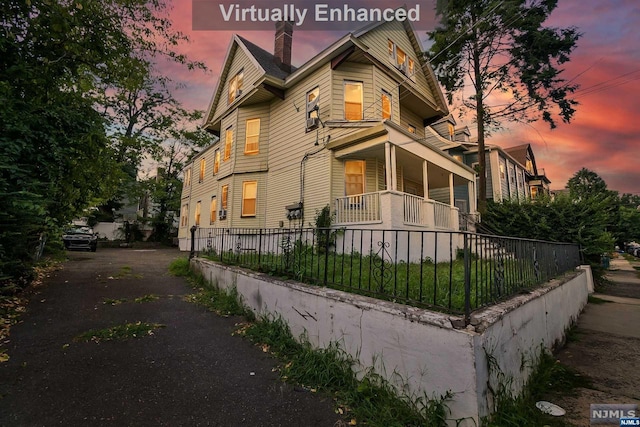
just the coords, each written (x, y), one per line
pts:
(283, 42)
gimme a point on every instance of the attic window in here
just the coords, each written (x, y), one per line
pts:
(401, 60)
(235, 86)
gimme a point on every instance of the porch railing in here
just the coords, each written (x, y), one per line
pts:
(414, 210)
(456, 272)
(442, 214)
(359, 208)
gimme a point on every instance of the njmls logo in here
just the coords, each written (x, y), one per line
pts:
(614, 414)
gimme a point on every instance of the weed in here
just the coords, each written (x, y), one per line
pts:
(370, 400)
(146, 298)
(119, 332)
(110, 301)
(126, 272)
(179, 267)
(550, 378)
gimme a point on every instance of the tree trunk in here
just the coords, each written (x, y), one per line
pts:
(482, 164)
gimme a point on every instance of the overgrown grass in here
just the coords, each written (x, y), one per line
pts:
(426, 284)
(371, 400)
(550, 378)
(180, 267)
(119, 332)
(226, 303)
(146, 298)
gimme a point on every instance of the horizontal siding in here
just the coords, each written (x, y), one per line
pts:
(440, 195)
(235, 201)
(251, 74)
(226, 166)
(252, 162)
(381, 81)
(359, 73)
(408, 117)
(289, 142)
(382, 183)
(377, 41)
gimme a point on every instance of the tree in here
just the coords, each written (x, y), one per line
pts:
(501, 46)
(56, 59)
(171, 157)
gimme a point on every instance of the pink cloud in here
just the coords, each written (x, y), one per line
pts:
(604, 135)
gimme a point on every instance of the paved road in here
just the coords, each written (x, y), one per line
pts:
(191, 373)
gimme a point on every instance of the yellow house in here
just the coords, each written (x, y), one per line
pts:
(346, 129)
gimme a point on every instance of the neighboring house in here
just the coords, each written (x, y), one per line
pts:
(511, 173)
(346, 129)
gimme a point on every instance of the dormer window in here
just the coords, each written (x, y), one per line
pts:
(452, 132)
(235, 86)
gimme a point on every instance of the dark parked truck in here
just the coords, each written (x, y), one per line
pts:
(81, 238)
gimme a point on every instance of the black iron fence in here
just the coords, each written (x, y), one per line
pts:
(456, 272)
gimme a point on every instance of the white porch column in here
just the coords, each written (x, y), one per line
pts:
(472, 196)
(425, 179)
(394, 175)
(451, 195)
(387, 165)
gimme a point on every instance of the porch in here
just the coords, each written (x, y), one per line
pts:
(385, 175)
(396, 209)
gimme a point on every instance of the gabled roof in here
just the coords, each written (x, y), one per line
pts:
(519, 153)
(266, 60)
(266, 63)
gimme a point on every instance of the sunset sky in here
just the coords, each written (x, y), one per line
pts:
(604, 135)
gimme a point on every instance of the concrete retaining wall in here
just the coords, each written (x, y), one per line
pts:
(418, 350)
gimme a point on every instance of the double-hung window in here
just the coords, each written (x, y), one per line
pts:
(197, 213)
(228, 144)
(386, 105)
(203, 167)
(353, 100)
(251, 145)
(213, 209)
(354, 177)
(249, 197)
(235, 86)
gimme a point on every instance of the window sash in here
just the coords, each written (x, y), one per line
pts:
(225, 195)
(253, 136)
(312, 101)
(184, 215)
(386, 105)
(197, 213)
(235, 84)
(354, 177)
(353, 101)
(203, 167)
(187, 178)
(228, 142)
(216, 162)
(213, 208)
(249, 198)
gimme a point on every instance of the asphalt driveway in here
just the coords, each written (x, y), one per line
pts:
(192, 372)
